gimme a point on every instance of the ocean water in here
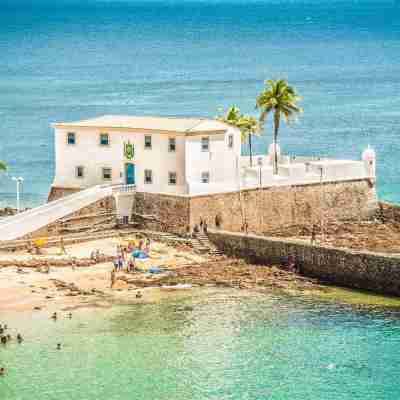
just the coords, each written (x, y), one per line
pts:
(68, 59)
(226, 345)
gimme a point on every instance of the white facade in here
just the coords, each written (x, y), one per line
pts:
(181, 156)
(182, 153)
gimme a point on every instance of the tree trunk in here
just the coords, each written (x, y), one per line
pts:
(276, 129)
(251, 151)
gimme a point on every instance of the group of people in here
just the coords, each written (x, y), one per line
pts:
(201, 227)
(4, 339)
(125, 258)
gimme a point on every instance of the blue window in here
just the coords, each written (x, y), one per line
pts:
(80, 172)
(107, 174)
(172, 144)
(71, 138)
(205, 177)
(148, 176)
(104, 139)
(230, 141)
(147, 142)
(205, 143)
(172, 178)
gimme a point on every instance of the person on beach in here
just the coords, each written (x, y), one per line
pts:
(54, 316)
(2, 371)
(147, 247)
(120, 263)
(58, 346)
(119, 251)
(313, 234)
(19, 338)
(62, 246)
(205, 227)
(3, 340)
(131, 265)
(112, 278)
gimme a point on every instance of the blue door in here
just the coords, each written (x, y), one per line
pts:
(130, 174)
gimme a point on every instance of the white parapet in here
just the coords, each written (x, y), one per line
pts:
(29, 221)
(124, 199)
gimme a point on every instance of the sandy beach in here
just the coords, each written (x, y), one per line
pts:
(68, 286)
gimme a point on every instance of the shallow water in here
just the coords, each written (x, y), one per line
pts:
(72, 59)
(216, 344)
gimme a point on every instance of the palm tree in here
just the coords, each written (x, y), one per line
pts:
(3, 166)
(247, 124)
(279, 98)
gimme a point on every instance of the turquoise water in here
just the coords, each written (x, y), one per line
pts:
(70, 59)
(225, 345)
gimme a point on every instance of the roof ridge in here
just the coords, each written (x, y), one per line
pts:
(197, 124)
(154, 116)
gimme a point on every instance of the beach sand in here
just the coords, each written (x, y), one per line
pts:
(65, 288)
(34, 290)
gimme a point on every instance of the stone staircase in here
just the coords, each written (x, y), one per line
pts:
(201, 244)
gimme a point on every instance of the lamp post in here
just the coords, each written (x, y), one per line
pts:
(19, 182)
(260, 165)
(321, 168)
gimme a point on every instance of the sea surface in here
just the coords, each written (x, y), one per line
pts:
(63, 60)
(221, 344)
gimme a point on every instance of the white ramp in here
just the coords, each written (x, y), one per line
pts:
(29, 221)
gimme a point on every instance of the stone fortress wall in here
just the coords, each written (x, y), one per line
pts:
(273, 207)
(262, 210)
(355, 269)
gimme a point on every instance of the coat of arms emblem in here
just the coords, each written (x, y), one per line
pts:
(129, 151)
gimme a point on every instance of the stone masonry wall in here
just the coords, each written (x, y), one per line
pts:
(105, 205)
(362, 270)
(263, 210)
(171, 213)
(389, 211)
(274, 207)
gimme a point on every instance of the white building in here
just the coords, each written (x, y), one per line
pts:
(180, 156)
(158, 155)
(183, 170)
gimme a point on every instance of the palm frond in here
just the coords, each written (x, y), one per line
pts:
(3, 166)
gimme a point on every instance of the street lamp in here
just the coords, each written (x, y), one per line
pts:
(260, 165)
(19, 182)
(322, 201)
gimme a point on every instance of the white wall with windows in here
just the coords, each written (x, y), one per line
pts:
(212, 161)
(87, 156)
(176, 163)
